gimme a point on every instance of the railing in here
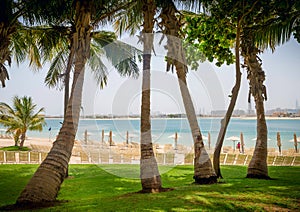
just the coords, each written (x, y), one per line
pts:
(33, 157)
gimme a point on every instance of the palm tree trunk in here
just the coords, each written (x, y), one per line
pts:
(234, 95)
(45, 183)
(23, 137)
(67, 77)
(256, 76)
(203, 170)
(67, 84)
(150, 177)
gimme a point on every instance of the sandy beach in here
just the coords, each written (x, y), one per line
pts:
(28, 142)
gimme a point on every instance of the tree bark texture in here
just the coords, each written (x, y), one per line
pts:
(44, 185)
(258, 165)
(203, 170)
(149, 174)
(23, 137)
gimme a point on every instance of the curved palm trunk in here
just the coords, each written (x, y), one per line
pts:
(203, 170)
(67, 83)
(67, 77)
(150, 177)
(258, 165)
(226, 119)
(45, 183)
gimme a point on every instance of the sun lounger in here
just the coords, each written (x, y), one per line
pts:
(24, 157)
(10, 157)
(2, 159)
(230, 159)
(278, 160)
(34, 157)
(288, 160)
(241, 159)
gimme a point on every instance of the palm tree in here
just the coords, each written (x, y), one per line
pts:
(21, 117)
(143, 13)
(9, 24)
(46, 182)
(281, 23)
(203, 170)
(103, 43)
(256, 76)
(150, 177)
(15, 36)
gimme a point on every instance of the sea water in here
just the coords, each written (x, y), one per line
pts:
(163, 130)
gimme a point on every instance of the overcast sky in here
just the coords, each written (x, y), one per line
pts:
(209, 86)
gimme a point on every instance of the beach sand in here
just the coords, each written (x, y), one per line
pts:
(4, 142)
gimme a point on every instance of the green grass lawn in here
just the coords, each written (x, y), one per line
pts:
(15, 148)
(100, 188)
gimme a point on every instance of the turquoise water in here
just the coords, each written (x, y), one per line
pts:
(163, 129)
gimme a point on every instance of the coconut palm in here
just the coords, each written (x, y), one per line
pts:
(150, 177)
(203, 170)
(143, 13)
(280, 22)
(15, 36)
(103, 44)
(9, 25)
(21, 117)
(46, 182)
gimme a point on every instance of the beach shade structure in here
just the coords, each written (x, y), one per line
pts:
(242, 142)
(279, 142)
(110, 135)
(296, 140)
(85, 134)
(127, 137)
(233, 139)
(175, 137)
(102, 136)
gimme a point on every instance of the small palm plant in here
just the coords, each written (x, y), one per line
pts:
(21, 117)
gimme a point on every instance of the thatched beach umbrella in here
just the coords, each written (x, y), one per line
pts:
(110, 135)
(208, 140)
(295, 142)
(175, 136)
(127, 137)
(85, 136)
(102, 136)
(242, 142)
(279, 142)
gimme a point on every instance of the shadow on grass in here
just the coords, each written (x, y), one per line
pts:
(92, 188)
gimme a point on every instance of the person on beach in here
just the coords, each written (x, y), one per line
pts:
(238, 146)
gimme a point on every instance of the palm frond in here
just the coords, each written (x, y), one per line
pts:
(129, 20)
(3, 75)
(123, 57)
(274, 33)
(96, 65)
(56, 70)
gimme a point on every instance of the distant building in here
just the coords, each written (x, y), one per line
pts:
(220, 113)
(278, 112)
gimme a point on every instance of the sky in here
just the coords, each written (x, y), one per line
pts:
(209, 86)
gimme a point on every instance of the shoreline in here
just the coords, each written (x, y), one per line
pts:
(178, 118)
